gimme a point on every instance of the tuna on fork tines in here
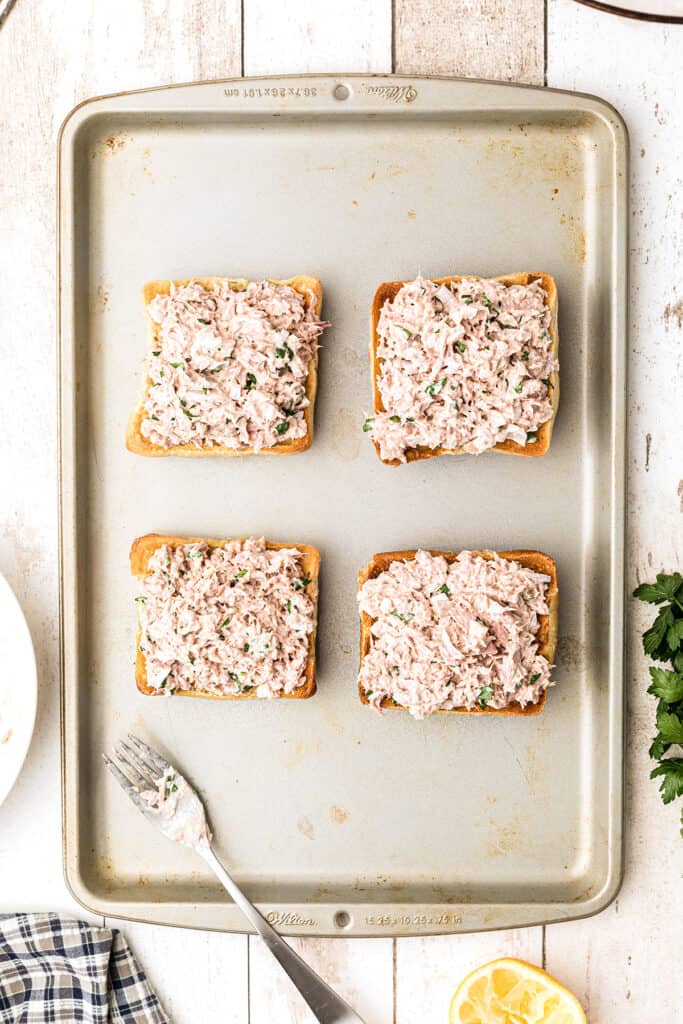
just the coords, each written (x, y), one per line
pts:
(473, 632)
(463, 365)
(233, 619)
(231, 367)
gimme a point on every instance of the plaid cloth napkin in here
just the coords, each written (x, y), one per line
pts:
(53, 969)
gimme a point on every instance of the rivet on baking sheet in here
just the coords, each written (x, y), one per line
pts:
(342, 919)
(410, 94)
(341, 92)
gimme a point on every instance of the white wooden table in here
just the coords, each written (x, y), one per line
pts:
(624, 964)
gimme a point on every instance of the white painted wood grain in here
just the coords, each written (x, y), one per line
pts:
(428, 970)
(305, 36)
(471, 38)
(316, 35)
(614, 961)
(359, 969)
(200, 977)
(478, 39)
(53, 55)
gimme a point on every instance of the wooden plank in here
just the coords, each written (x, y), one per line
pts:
(471, 38)
(613, 961)
(428, 970)
(305, 36)
(359, 969)
(52, 56)
(198, 976)
(479, 39)
(316, 35)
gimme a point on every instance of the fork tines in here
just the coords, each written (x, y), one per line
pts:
(141, 768)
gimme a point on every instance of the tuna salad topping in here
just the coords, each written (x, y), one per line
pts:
(462, 366)
(454, 635)
(226, 620)
(230, 367)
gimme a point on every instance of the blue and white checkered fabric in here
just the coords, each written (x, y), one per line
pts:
(54, 970)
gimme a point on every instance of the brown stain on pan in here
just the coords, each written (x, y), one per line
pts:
(305, 826)
(576, 236)
(111, 144)
(555, 162)
(673, 314)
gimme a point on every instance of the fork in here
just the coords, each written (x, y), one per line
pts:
(167, 800)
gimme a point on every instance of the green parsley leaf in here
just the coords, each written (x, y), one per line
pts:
(535, 677)
(532, 437)
(485, 695)
(240, 574)
(301, 584)
(225, 622)
(668, 686)
(141, 600)
(461, 346)
(665, 589)
(518, 389)
(251, 381)
(403, 616)
(525, 355)
(157, 352)
(674, 635)
(367, 426)
(395, 419)
(405, 330)
(653, 638)
(671, 773)
(177, 365)
(670, 727)
(282, 428)
(443, 589)
(467, 299)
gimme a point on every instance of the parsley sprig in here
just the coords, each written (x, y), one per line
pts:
(663, 642)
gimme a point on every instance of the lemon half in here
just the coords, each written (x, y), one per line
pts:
(511, 991)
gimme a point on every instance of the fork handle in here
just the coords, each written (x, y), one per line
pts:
(326, 1005)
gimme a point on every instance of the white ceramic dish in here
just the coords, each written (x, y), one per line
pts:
(18, 689)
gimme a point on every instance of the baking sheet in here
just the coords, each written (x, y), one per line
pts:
(320, 806)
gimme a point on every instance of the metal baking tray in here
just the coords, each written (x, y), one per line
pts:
(337, 820)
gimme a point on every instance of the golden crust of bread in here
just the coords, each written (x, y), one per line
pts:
(142, 550)
(310, 288)
(388, 291)
(547, 625)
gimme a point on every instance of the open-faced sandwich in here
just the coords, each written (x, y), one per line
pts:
(231, 367)
(463, 364)
(225, 618)
(473, 632)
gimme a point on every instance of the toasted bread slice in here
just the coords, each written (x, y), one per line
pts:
(547, 627)
(311, 289)
(142, 550)
(388, 291)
